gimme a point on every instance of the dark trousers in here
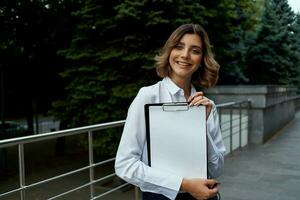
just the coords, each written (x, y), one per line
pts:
(180, 196)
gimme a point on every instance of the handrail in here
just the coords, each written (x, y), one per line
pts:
(20, 141)
(83, 186)
(79, 130)
(56, 134)
(228, 104)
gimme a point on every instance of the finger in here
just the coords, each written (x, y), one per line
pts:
(196, 100)
(201, 102)
(210, 182)
(213, 192)
(216, 185)
(204, 102)
(195, 95)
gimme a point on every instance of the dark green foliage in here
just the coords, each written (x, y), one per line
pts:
(272, 59)
(112, 51)
(227, 26)
(111, 57)
(295, 27)
(31, 33)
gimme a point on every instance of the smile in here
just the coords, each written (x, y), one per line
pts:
(183, 63)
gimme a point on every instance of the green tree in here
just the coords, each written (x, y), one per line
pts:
(112, 51)
(270, 57)
(111, 57)
(31, 33)
(295, 27)
(229, 26)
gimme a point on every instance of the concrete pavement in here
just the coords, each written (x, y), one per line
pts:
(265, 172)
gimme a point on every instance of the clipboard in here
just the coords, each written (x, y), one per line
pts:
(176, 138)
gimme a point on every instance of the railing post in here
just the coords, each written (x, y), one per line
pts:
(249, 119)
(91, 162)
(240, 138)
(21, 171)
(231, 137)
(220, 116)
(136, 193)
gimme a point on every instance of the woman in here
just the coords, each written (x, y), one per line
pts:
(186, 56)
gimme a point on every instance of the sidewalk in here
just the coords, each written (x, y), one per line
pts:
(265, 172)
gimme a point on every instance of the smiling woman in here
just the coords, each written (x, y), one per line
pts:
(185, 56)
(207, 74)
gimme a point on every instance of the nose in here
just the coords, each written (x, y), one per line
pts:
(185, 53)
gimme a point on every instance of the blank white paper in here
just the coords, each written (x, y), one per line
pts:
(178, 141)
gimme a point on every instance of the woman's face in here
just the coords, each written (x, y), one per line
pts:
(185, 57)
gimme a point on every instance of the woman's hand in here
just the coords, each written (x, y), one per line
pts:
(200, 188)
(197, 99)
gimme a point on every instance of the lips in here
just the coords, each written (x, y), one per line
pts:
(183, 63)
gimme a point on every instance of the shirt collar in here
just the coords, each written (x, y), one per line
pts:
(173, 88)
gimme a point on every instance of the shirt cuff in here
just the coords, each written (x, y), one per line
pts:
(167, 184)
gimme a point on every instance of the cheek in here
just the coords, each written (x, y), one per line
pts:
(198, 60)
(171, 57)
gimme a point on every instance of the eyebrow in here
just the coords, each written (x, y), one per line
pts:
(193, 46)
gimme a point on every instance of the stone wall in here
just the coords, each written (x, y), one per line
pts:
(272, 107)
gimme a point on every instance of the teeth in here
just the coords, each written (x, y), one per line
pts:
(183, 63)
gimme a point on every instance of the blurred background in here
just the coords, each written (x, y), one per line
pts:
(73, 63)
(60, 56)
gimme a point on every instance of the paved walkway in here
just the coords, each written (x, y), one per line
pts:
(265, 172)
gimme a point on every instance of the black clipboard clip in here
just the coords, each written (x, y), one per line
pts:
(175, 106)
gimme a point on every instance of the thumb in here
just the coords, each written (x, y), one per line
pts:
(210, 182)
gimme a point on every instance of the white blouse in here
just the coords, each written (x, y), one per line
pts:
(131, 159)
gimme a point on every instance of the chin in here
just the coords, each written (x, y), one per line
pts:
(183, 74)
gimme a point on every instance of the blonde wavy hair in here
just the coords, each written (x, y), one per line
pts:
(208, 72)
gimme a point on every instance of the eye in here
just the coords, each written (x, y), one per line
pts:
(178, 47)
(196, 51)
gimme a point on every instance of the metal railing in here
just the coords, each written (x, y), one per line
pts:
(232, 110)
(234, 122)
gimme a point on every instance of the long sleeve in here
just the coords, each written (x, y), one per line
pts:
(130, 164)
(215, 145)
(131, 160)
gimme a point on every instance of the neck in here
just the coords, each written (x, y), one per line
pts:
(184, 84)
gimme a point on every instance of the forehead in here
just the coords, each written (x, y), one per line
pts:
(191, 39)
